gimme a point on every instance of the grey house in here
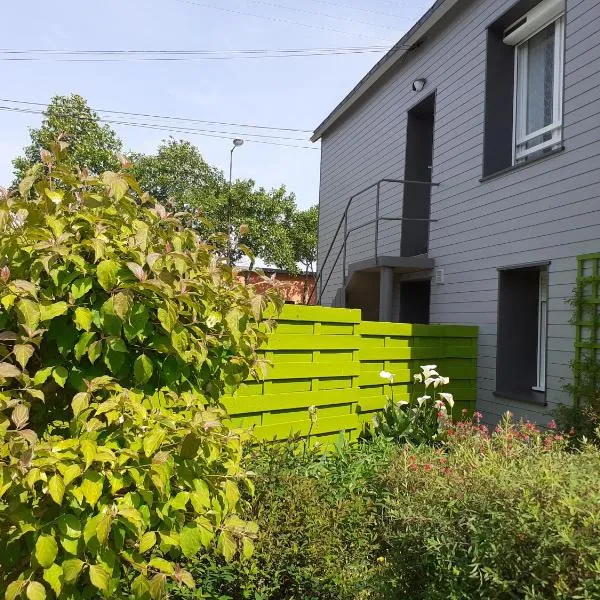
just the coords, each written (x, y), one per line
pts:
(460, 181)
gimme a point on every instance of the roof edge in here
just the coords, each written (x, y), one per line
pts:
(403, 47)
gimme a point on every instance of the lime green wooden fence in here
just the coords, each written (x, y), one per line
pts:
(330, 359)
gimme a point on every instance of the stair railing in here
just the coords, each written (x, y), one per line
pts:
(322, 286)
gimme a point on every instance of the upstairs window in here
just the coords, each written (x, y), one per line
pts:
(539, 85)
(524, 85)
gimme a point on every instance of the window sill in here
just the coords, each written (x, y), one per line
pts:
(521, 165)
(525, 396)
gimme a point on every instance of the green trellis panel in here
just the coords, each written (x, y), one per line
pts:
(330, 359)
(587, 317)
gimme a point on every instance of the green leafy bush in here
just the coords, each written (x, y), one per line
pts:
(317, 518)
(119, 331)
(512, 515)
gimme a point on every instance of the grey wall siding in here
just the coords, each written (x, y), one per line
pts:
(546, 211)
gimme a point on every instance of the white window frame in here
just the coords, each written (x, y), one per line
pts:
(542, 332)
(520, 136)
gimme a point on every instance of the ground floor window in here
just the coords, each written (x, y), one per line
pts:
(522, 332)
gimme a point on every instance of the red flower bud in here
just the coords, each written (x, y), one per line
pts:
(5, 274)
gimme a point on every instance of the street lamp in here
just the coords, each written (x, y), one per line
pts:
(237, 142)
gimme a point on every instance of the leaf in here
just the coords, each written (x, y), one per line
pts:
(167, 315)
(227, 546)
(94, 351)
(80, 402)
(92, 486)
(186, 578)
(140, 588)
(107, 272)
(71, 569)
(69, 526)
(232, 494)
(99, 577)
(36, 591)
(42, 375)
(7, 370)
(51, 311)
(121, 304)
(117, 184)
(46, 550)
(247, 548)
(83, 343)
(137, 320)
(54, 576)
(88, 449)
(162, 565)
(28, 313)
(56, 489)
(20, 416)
(147, 541)
(8, 336)
(81, 287)
(83, 318)
(26, 184)
(153, 441)
(142, 369)
(60, 375)
(71, 473)
(115, 354)
(13, 590)
(103, 528)
(158, 587)
(190, 540)
(23, 352)
(137, 270)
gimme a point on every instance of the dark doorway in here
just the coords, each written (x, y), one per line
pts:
(419, 160)
(414, 302)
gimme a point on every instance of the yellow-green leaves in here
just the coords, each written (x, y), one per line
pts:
(56, 488)
(20, 416)
(167, 315)
(46, 550)
(53, 576)
(117, 184)
(142, 369)
(153, 441)
(36, 591)
(28, 313)
(190, 540)
(107, 273)
(51, 311)
(99, 577)
(147, 541)
(8, 371)
(91, 486)
(80, 287)
(71, 569)
(83, 318)
(23, 352)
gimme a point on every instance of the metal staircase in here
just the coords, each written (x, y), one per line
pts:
(409, 259)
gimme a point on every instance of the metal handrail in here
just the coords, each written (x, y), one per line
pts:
(344, 221)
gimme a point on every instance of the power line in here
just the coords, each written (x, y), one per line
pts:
(171, 118)
(168, 56)
(366, 10)
(319, 14)
(274, 19)
(164, 128)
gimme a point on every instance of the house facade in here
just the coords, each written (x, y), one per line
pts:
(460, 182)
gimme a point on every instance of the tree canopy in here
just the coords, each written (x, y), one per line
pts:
(92, 145)
(264, 224)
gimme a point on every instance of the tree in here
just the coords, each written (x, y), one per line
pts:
(91, 144)
(304, 239)
(260, 218)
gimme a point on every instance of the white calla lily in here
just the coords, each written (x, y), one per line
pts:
(429, 381)
(386, 375)
(423, 399)
(418, 378)
(449, 398)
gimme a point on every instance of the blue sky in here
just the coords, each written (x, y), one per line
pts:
(281, 92)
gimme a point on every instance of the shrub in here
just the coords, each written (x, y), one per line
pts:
(507, 516)
(317, 518)
(120, 330)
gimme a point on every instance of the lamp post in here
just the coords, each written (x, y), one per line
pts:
(237, 142)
